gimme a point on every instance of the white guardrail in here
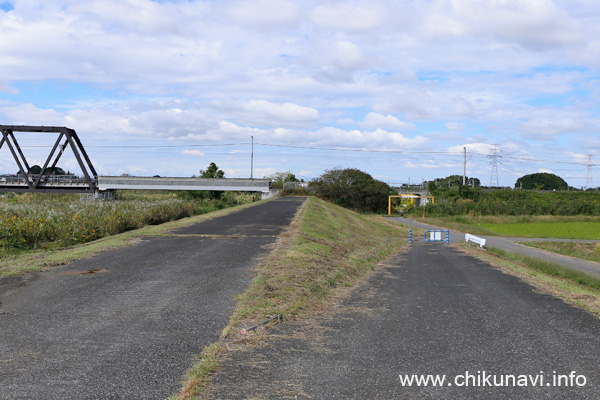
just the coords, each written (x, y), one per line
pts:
(475, 239)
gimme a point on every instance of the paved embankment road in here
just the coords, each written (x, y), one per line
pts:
(433, 311)
(512, 245)
(126, 324)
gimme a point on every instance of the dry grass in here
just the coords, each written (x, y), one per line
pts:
(326, 250)
(585, 251)
(326, 247)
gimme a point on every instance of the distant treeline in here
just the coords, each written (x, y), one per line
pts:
(514, 202)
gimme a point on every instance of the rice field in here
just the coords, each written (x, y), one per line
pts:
(556, 229)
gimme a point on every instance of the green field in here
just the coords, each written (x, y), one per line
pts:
(560, 230)
(535, 226)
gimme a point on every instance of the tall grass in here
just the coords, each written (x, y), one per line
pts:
(32, 221)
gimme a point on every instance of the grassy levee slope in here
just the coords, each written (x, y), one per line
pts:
(326, 247)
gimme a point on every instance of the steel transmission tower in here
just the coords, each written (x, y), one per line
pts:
(589, 181)
(494, 163)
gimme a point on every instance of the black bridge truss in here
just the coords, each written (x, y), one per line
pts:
(42, 182)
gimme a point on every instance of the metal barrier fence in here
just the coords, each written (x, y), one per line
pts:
(436, 236)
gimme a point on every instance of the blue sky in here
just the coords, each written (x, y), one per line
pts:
(395, 88)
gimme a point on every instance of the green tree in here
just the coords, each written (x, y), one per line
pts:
(278, 178)
(355, 189)
(541, 181)
(36, 169)
(455, 180)
(212, 171)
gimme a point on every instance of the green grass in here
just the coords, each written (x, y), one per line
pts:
(326, 247)
(585, 251)
(562, 230)
(199, 375)
(545, 226)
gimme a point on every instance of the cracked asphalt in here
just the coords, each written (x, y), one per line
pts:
(128, 323)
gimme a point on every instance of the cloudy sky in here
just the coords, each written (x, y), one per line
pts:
(395, 88)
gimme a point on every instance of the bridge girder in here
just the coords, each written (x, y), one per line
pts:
(37, 183)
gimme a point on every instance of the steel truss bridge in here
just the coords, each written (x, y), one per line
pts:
(90, 182)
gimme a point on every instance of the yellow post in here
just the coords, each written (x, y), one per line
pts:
(389, 205)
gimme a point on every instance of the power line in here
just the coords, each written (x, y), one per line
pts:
(322, 148)
(355, 150)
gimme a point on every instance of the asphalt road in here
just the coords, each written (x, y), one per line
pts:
(433, 311)
(128, 323)
(512, 245)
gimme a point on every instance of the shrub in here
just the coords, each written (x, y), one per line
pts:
(354, 189)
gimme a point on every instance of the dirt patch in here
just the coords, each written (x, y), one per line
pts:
(91, 271)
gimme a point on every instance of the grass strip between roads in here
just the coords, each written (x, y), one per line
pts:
(326, 247)
(585, 251)
(39, 260)
(552, 269)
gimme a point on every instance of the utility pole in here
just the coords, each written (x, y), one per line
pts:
(252, 159)
(464, 166)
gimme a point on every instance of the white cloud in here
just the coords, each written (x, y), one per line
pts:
(281, 113)
(431, 165)
(230, 131)
(29, 114)
(193, 153)
(579, 157)
(439, 26)
(346, 55)
(261, 13)
(455, 126)
(545, 170)
(534, 24)
(350, 17)
(375, 120)
(549, 128)
(378, 138)
(475, 148)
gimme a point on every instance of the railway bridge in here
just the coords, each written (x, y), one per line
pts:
(91, 182)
